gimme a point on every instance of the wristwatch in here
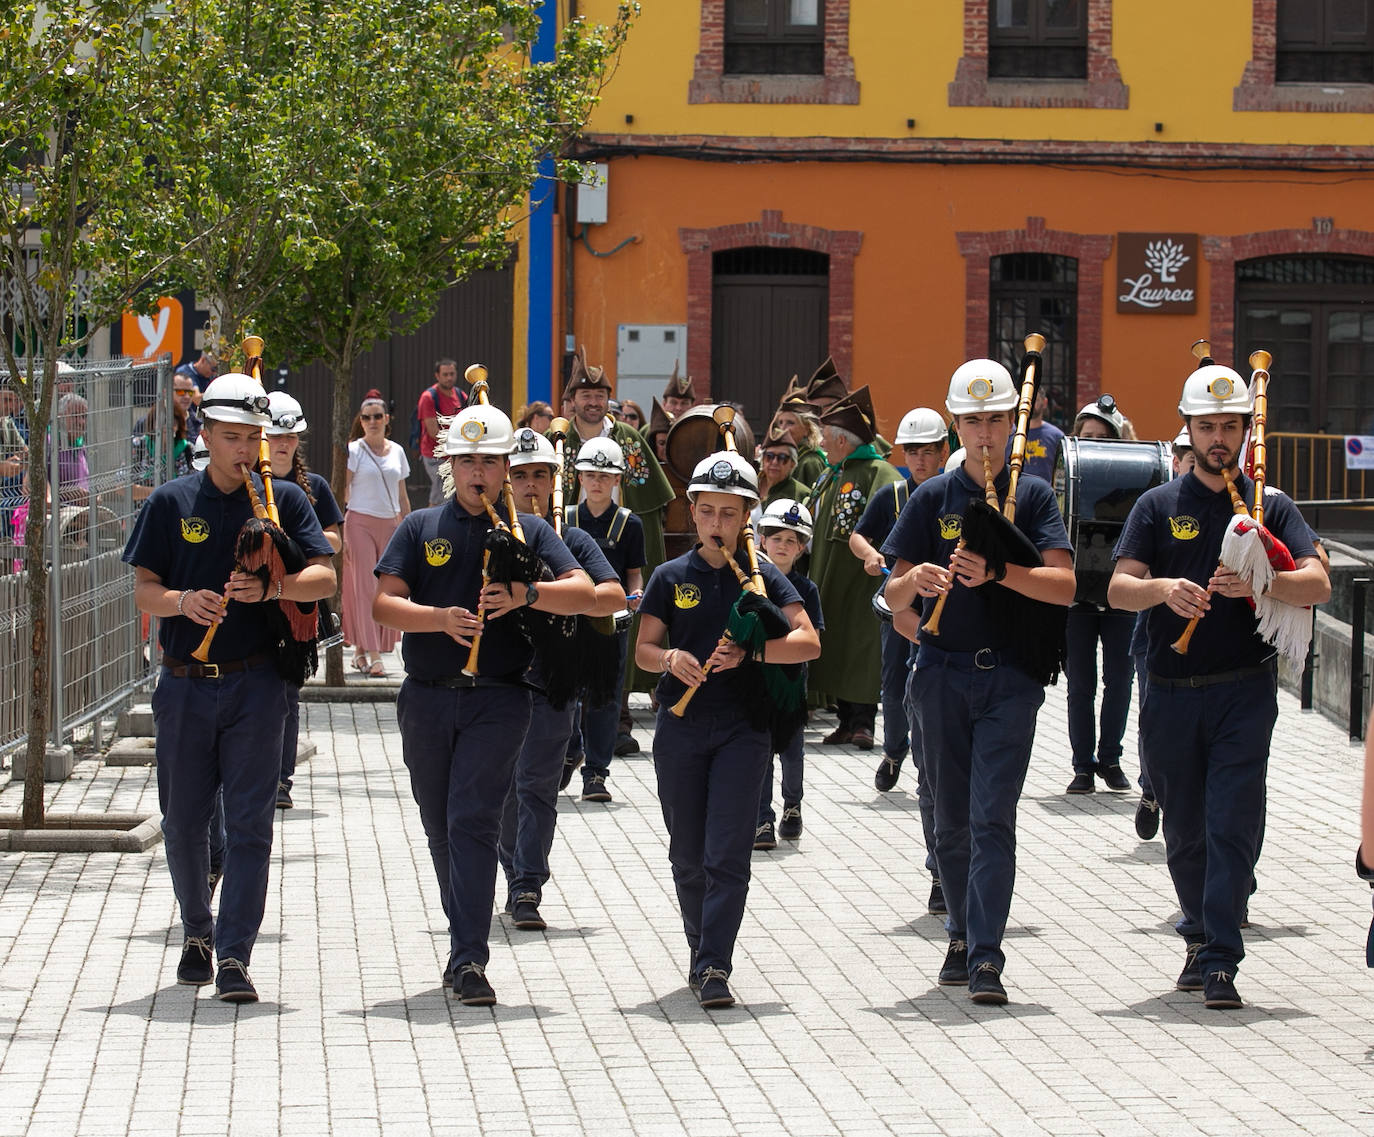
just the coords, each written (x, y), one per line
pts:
(531, 594)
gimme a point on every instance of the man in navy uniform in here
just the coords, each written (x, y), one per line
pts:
(460, 734)
(219, 723)
(1209, 714)
(974, 689)
(531, 808)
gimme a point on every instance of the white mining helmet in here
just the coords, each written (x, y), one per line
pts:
(784, 513)
(981, 385)
(288, 416)
(236, 398)
(920, 426)
(724, 472)
(600, 456)
(480, 429)
(533, 449)
(1214, 390)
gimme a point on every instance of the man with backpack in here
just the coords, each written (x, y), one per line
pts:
(442, 398)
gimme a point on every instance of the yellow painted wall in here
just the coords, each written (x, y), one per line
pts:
(1181, 60)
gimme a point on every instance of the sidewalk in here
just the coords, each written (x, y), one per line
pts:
(842, 1028)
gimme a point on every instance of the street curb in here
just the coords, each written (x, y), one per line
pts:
(382, 693)
(81, 833)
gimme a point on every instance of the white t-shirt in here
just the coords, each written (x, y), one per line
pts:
(375, 490)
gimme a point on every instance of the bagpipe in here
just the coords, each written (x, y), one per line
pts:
(991, 532)
(267, 551)
(773, 694)
(507, 559)
(1247, 548)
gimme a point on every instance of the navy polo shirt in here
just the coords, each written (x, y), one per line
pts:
(438, 553)
(810, 597)
(624, 554)
(928, 531)
(880, 515)
(694, 601)
(326, 505)
(185, 533)
(1176, 531)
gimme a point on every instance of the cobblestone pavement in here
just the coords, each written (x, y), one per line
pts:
(842, 1028)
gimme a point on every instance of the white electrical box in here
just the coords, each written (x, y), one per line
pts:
(593, 196)
(644, 358)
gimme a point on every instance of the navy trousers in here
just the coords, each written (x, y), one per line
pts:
(793, 758)
(896, 650)
(977, 727)
(1209, 757)
(710, 768)
(1142, 687)
(460, 747)
(601, 725)
(214, 733)
(531, 807)
(925, 797)
(290, 735)
(1094, 747)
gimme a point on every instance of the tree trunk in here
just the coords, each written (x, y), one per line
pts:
(340, 422)
(38, 410)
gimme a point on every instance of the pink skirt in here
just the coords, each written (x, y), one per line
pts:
(365, 538)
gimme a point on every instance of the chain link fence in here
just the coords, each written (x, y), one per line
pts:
(112, 423)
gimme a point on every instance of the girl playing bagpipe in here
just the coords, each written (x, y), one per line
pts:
(719, 645)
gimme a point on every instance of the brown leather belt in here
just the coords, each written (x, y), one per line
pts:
(183, 670)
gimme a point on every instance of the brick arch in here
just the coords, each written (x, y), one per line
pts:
(771, 231)
(1222, 253)
(1089, 249)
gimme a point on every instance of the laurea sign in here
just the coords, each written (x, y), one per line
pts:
(1156, 272)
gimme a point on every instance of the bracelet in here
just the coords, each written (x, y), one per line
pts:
(663, 664)
(276, 597)
(182, 600)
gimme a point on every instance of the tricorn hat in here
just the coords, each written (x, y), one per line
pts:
(853, 413)
(679, 387)
(660, 421)
(779, 437)
(583, 376)
(794, 399)
(826, 384)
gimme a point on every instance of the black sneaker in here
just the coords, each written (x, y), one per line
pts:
(790, 827)
(1219, 992)
(447, 979)
(985, 986)
(886, 776)
(625, 744)
(954, 971)
(284, 796)
(525, 913)
(232, 983)
(594, 788)
(471, 986)
(693, 979)
(936, 905)
(570, 766)
(764, 837)
(715, 991)
(1190, 978)
(1081, 784)
(1115, 777)
(1146, 818)
(197, 966)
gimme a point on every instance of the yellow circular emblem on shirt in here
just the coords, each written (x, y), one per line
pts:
(438, 552)
(194, 530)
(1184, 528)
(951, 527)
(686, 595)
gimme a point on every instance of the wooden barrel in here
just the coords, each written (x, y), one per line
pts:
(695, 434)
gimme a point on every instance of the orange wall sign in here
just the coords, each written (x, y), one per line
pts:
(147, 337)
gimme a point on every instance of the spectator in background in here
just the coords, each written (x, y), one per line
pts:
(180, 449)
(14, 454)
(73, 472)
(199, 373)
(184, 397)
(375, 500)
(442, 398)
(536, 415)
(632, 413)
(1043, 441)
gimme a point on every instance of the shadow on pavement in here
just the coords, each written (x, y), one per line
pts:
(1186, 1007)
(177, 1004)
(434, 1008)
(950, 1006)
(1146, 853)
(895, 802)
(681, 1005)
(516, 936)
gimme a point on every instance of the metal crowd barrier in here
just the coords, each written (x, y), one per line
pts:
(1310, 468)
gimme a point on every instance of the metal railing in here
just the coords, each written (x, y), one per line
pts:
(1310, 468)
(100, 469)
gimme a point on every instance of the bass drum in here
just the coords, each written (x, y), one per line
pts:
(693, 435)
(1097, 481)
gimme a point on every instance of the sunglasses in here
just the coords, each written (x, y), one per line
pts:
(372, 418)
(776, 456)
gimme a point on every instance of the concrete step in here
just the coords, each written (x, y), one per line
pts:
(136, 722)
(139, 751)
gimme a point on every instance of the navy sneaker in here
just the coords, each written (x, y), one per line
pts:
(790, 827)
(1190, 978)
(471, 986)
(954, 971)
(715, 991)
(594, 788)
(570, 765)
(1115, 777)
(985, 986)
(284, 796)
(888, 770)
(1146, 818)
(1082, 783)
(525, 913)
(232, 983)
(936, 905)
(1219, 991)
(197, 966)
(764, 837)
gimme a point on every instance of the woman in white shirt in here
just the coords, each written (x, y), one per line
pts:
(375, 501)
